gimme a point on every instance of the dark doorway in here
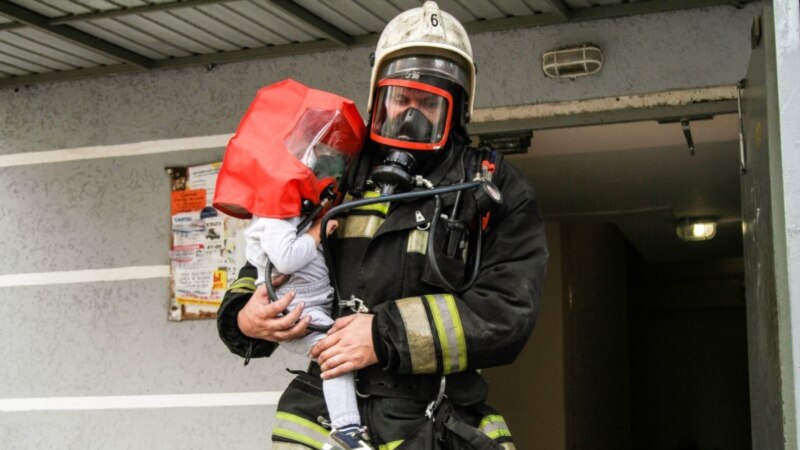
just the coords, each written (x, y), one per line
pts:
(688, 334)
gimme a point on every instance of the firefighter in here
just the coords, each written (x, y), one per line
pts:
(413, 329)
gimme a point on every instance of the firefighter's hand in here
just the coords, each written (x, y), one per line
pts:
(347, 347)
(259, 318)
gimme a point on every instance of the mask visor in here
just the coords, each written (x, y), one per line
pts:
(411, 115)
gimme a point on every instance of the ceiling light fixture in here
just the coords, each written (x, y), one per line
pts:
(692, 230)
(572, 62)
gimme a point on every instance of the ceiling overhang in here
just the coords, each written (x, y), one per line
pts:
(44, 40)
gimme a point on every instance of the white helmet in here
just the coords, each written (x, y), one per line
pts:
(421, 31)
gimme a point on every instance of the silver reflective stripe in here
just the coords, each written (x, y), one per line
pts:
(417, 241)
(418, 335)
(450, 332)
(508, 446)
(358, 226)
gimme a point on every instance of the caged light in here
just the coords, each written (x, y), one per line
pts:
(572, 62)
(691, 230)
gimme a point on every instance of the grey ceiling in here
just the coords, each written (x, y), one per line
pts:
(610, 174)
(46, 40)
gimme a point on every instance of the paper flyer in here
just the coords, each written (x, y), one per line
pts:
(206, 248)
(204, 177)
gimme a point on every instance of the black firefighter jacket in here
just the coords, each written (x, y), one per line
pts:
(420, 330)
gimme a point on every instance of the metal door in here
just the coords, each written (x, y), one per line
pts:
(769, 347)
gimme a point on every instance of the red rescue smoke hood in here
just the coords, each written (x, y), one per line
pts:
(289, 132)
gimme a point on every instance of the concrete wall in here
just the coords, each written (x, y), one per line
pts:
(686, 49)
(112, 338)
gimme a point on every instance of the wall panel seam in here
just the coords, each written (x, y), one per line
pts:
(84, 403)
(84, 276)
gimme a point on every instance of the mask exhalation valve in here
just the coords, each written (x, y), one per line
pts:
(395, 173)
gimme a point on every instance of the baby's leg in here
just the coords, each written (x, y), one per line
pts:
(340, 392)
(340, 397)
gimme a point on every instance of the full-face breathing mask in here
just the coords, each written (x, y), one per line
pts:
(411, 125)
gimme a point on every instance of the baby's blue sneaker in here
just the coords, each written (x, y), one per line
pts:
(352, 437)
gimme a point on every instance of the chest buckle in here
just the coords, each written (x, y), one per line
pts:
(355, 304)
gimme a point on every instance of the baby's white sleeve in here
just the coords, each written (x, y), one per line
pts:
(287, 251)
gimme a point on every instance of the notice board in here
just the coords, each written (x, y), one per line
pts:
(206, 246)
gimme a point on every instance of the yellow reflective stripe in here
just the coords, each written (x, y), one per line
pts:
(461, 340)
(297, 437)
(441, 332)
(382, 208)
(494, 418)
(245, 283)
(358, 226)
(498, 433)
(417, 241)
(506, 446)
(280, 445)
(302, 421)
(450, 332)
(300, 429)
(494, 426)
(241, 291)
(418, 334)
(390, 446)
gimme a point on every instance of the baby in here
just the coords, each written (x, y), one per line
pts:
(309, 145)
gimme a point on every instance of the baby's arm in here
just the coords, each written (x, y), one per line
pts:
(313, 231)
(287, 250)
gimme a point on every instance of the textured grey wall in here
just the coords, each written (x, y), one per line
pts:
(787, 27)
(112, 338)
(695, 48)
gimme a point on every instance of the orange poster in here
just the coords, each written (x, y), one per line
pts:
(186, 201)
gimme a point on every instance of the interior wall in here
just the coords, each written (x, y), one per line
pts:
(597, 361)
(689, 355)
(530, 393)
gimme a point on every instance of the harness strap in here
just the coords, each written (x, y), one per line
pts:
(380, 383)
(479, 441)
(463, 388)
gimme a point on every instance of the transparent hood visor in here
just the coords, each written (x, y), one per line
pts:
(313, 141)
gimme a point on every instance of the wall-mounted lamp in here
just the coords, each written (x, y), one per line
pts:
(572, 62)
(509, 143)
(691, 230)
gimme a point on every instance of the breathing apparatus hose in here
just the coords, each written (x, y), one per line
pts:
(432, 256)
(404, 196)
